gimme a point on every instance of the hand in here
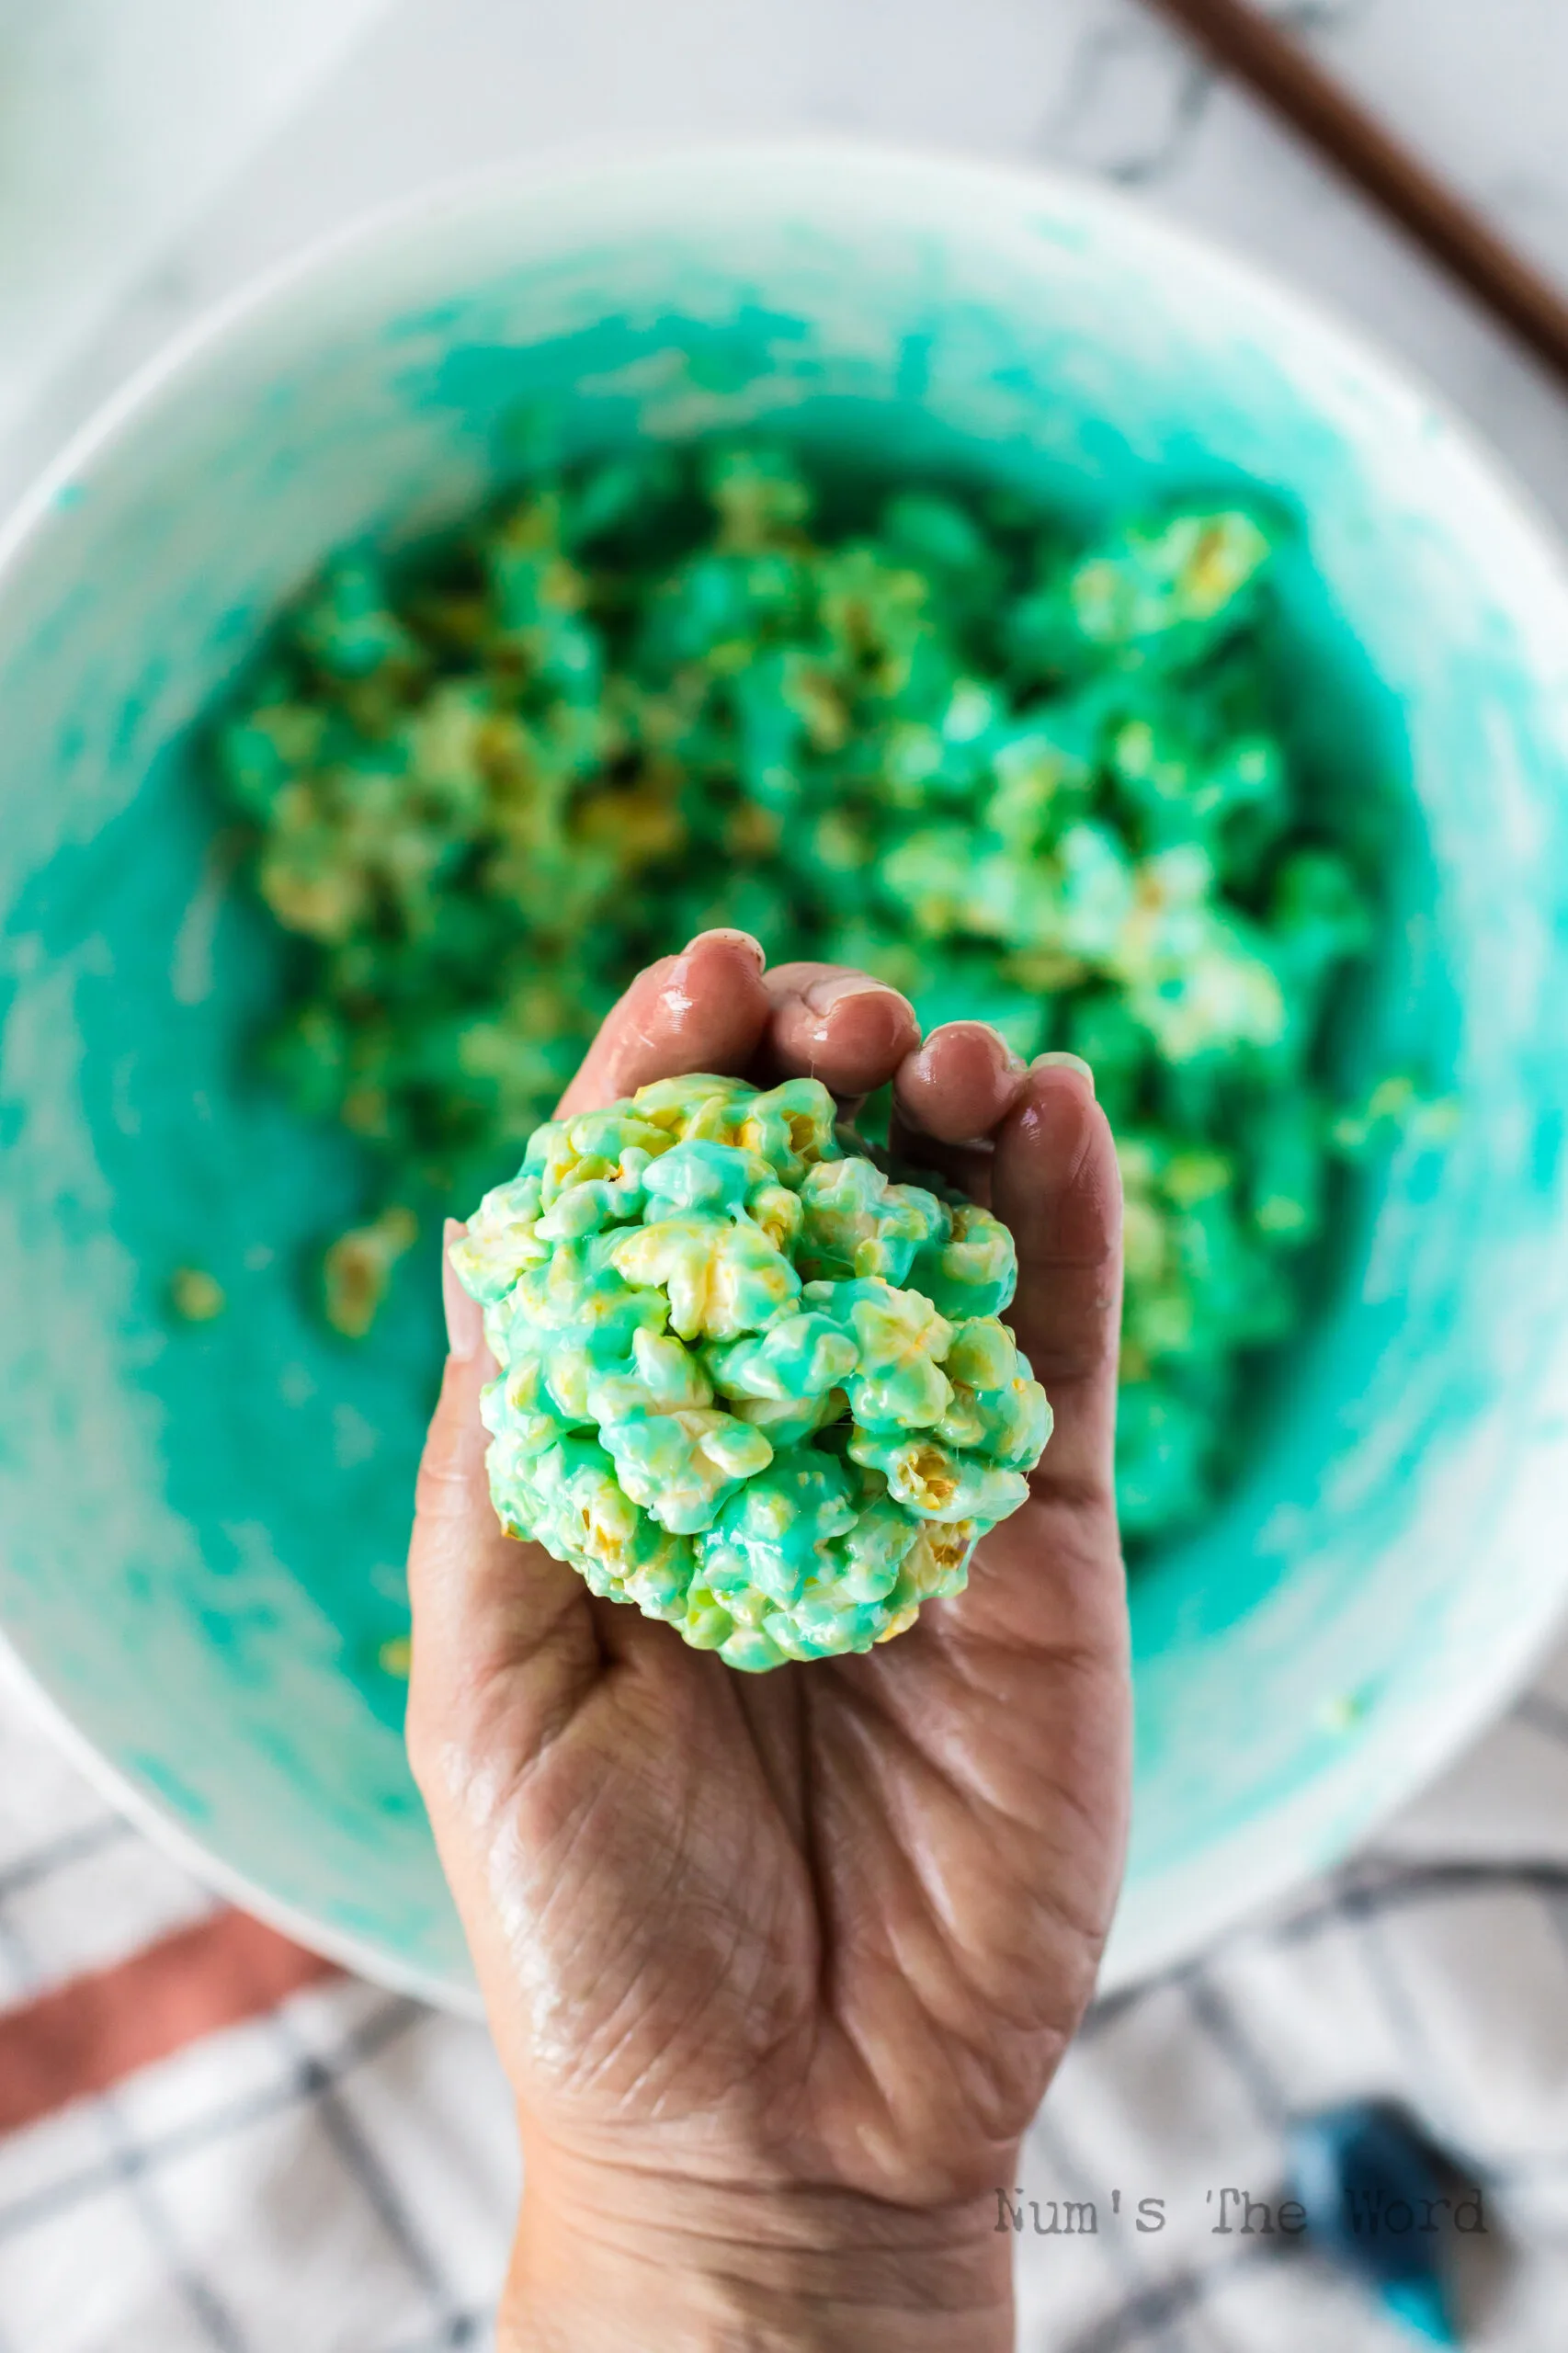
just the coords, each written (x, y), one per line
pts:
(779, 1966)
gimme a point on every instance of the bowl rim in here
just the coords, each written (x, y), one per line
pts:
(1172, 1931)
(359, 1956)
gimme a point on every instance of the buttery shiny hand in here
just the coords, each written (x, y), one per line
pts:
(784, 1963)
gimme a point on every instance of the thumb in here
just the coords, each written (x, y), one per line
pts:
(503, 1644)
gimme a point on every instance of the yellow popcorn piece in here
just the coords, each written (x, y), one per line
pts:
(778, 1213)
(358, 1267)
(789, 1126)
(937, 1562)
(899, 1341)
(503, 1240)
(973, 1270)
(721, 1281)
(567, 1153)
(683, 1107)
(856, 1222)
(681, 1466)
(937, 1481)
(195, 1296)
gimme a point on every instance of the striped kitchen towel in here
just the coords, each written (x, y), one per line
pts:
(213, 2143)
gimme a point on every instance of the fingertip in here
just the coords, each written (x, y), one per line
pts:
(1057, 1182)
(1056, 1186)
(743, 944)
(1060, 1080)
(705, 1009)
(959, 1084)
(863, 1036)
(713, 990)
(1060, 1059)
(840, 1026)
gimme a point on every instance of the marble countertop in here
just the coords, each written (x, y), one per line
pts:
(421, 88)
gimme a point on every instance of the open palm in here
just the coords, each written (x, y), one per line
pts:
(834, 1924)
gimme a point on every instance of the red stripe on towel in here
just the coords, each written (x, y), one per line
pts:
(97, 2028)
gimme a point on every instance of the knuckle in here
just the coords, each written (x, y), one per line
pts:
(442, 1488)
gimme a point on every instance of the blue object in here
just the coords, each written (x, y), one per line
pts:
(1374, 2197)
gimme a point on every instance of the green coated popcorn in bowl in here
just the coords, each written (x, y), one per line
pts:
(748, 1381)
(1052, 772)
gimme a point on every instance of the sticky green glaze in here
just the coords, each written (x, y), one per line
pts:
(204, 1524)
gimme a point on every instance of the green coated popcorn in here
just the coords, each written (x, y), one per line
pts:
(1030, 773)
(747, 1382)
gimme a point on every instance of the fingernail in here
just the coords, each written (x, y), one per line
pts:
(729, 938)
(1011, 1059)
(824, 994)
(1063, 1061)
(465, 1318)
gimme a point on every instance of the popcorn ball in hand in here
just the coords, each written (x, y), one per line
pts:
(747, 1382)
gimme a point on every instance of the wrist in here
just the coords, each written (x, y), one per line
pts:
(606, 2257)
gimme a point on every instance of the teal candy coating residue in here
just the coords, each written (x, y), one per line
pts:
(725, 1394)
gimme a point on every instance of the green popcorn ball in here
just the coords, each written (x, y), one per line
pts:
(726, 1394)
